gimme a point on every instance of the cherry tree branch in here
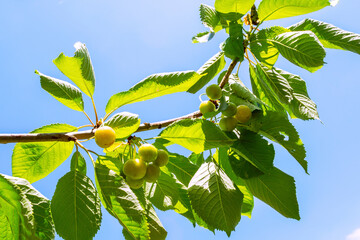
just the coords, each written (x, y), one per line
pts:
(225, 79)
(46, 137)
(75, 136)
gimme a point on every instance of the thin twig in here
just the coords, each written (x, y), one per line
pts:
(252, 55)
(87, 151)
(96, 116)
(228, 72)
(85, 126)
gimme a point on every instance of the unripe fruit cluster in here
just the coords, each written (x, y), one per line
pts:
(146, 167)
(232, 115)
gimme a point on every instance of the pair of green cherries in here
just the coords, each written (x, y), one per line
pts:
(231, 116)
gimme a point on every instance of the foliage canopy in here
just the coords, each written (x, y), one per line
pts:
(213, 187)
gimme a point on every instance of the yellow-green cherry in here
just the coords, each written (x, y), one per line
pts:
(243, 114)
(105, 136)
(152, 173)
(162, 158)
(135, 168)
(230, 110)
(206, 107)
(148, 152)
(228, 124)
(213, 92)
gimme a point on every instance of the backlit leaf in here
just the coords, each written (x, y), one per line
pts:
(164, 193)
(78, 69)
(34, 161)
(196, 135)
(155, 85)
(329, 35)
(76, 207)
(208, 71)
(277, 189)
(62, 91)
(124, 124)
(275, 9)
(262, 48)
(215, 198)
(121, 202)
(254, 149)
(222, 157)
(228, 6)
(301, 48)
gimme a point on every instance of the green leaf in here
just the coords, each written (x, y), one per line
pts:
(263, 49)
(197, 135)
(157, 230)
(183, 206)
(35, 211)
(164, 194)
(155, 85)
(228, 6)
(34, 161)
(76, 207)
(264, 92)
(124, 124)
(181, 166)
(121, 202)
(241, 91)
(234, 45)
(301, 48)
(112, 163)
(301, 105)
(329, 35)
(43, 221)
(277, 189)
(275, 9)
(197, 158)
(208, 71)
(277, 128)
(240, 101)
(62, 91)
(78, 163)
(248, 202)
(17, 215)
(78, 69)
(203, 37)
(222, 157)
(256, 150)
(215, 198)
(209, 17)
(243, 168)
(277, 87)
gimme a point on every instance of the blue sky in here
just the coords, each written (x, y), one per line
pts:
(129, 40)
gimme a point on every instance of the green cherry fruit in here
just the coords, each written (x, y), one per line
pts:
(105, 136)
(243, 113)
(228, 124)
(152, 173)
(230, 110)
(206, 107)
(148, 152)
(213, 92)
(134, 183)
(162, 158)
(135, 168)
